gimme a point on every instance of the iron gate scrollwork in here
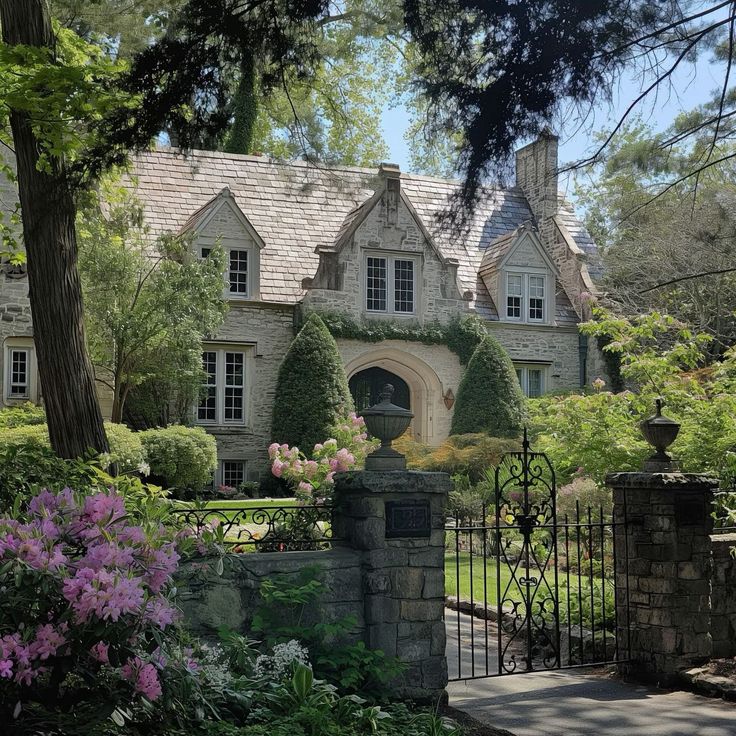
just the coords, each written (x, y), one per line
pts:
(527, 602)
(530, 582)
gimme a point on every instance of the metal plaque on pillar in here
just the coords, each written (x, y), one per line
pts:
(408, 519)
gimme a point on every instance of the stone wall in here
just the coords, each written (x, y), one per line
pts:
(386, 569)
(663, 571)
(723, 596)
(210, 601)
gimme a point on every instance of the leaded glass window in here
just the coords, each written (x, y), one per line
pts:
(376, 284)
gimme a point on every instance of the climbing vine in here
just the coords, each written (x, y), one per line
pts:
(461, 334)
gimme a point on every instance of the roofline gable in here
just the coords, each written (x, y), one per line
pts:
(224, 198)
(367, 207)
(523, 232)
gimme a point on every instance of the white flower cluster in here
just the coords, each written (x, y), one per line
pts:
(279, 664)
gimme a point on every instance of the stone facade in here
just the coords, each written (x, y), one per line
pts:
(663, 571)
(307, 233)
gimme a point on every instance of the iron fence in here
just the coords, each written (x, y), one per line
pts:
(534, 587)
(283, 528)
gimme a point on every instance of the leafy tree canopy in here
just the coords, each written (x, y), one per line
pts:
(148, 304)
(655, 236)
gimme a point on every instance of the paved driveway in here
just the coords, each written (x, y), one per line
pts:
(575, 702)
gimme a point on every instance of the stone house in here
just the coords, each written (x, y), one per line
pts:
(367, 245)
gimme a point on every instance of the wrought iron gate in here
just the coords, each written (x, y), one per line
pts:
(530, 576)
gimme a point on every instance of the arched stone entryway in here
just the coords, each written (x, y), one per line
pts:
(424, 386)
(366, 387)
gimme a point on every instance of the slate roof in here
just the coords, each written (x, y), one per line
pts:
(296, 208)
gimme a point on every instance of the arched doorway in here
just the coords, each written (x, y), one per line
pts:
(409, 374)
(366, 386)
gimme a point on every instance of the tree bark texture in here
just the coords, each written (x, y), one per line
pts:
(49, 212)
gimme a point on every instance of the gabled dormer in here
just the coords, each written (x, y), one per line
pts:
(520, 277)
(384, 262)
(222, 222)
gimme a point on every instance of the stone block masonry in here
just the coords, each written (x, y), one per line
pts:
(663, 572)
(723, 596)
(386, 570)
(403, 576)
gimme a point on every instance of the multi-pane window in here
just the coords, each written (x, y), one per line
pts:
(19, 383)
(403, 285)
(525, 297)
(376, 286)
(234, 386)
(207, 411)
(236, 275)
(233, 473)
(222, 398)
(390, 284)
(536, 297)
(238, 272)
(514, 294)
(531, 379)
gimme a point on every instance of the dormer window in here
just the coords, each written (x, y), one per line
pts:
(237, 285)
(390, 284)
(526, 297)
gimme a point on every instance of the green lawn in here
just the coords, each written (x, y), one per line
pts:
(228, 508)
(481, 572)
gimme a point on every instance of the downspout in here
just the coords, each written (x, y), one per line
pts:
(583, 358)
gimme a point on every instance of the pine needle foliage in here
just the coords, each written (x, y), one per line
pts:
(312, 389)
(489, 398)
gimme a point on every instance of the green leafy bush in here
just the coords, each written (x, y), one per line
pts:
(282, 616)
(26, 466)
(126, 450)
(19, 416)
(182, 459)
(311, 391)
(489, 398)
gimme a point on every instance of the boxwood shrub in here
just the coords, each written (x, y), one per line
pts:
(126, 450)
(489, 398)
(182, 459)
(312, 389)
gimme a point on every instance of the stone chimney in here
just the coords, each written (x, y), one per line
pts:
(390, 175)
(536, 176)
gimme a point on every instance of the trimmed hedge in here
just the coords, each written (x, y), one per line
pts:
(312, 389)
(181, 458)
(126, 449)
(489, 398)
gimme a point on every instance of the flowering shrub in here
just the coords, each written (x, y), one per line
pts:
(86, 605)
(280, 663)
(312, 479)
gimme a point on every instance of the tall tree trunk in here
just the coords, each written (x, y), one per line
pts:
(49, 211)
(245, 108)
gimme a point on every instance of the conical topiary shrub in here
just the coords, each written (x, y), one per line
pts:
(311, 390)
(489, 398)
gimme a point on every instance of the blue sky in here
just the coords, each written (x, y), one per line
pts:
(692, 85)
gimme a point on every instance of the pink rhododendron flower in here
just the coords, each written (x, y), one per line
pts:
(6, 668)
(100, 652)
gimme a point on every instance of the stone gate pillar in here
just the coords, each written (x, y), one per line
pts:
(396, 519)
(663, 556)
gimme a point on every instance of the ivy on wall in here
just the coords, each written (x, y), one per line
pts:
(461, 335)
